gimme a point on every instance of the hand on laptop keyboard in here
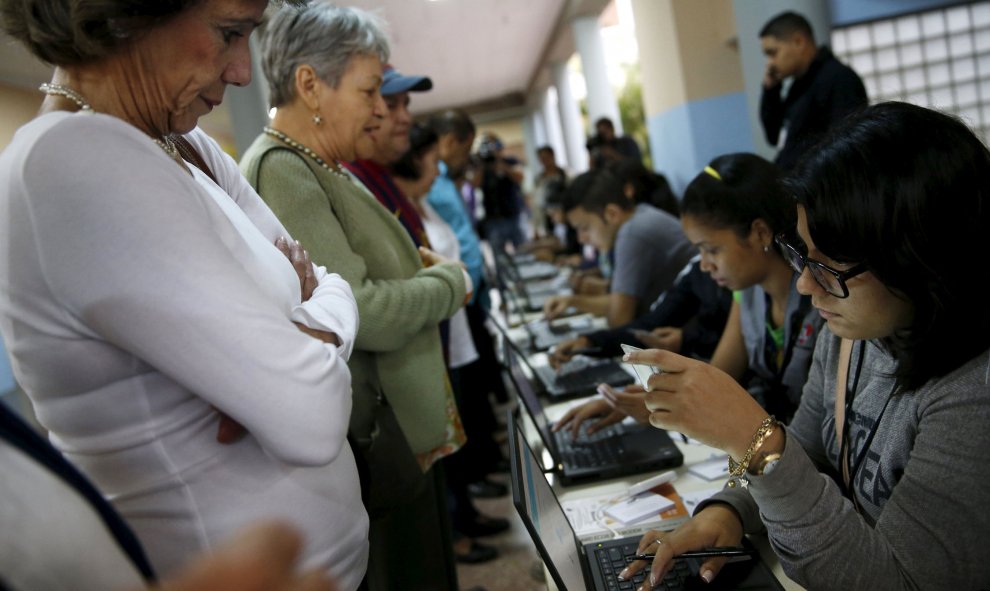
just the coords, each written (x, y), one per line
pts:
(575, 364)
(596, 411)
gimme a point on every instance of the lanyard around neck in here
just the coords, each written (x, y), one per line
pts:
(844, 396)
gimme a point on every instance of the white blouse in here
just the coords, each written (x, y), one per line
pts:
(135, 301)
(444, 242)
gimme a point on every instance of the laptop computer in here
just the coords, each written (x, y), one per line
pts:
(536, 270)
(545, 334)
(619, 450)
(534, 282)
(580, 378)
(575, 566)
(526, 268)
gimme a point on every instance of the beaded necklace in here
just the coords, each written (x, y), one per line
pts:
(337, 170)
(166, 143)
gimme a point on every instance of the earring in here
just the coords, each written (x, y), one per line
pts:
(317, 120)
(766, 248)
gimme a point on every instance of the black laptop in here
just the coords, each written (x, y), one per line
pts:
(618, 450)
(580, 378)
(575, 566)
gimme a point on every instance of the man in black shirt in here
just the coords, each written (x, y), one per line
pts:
(823, 90)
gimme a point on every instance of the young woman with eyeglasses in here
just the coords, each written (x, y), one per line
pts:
(731, 212)
(880, 480)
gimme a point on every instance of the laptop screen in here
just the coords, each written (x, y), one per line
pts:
(541, 512)
(527, 394)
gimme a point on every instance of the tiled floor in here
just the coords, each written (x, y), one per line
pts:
(518, 567)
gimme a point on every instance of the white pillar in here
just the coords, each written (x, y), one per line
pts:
(570, 119)
(532, 167)
(601, 99)
(539, 123)
(555, 132)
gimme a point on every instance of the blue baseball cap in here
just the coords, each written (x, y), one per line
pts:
(393, 82)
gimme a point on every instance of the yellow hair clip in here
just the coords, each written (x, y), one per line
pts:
(713, 173)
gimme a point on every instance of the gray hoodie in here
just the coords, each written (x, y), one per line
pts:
(923, 483)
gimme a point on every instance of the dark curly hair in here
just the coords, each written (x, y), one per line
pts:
(72, 32)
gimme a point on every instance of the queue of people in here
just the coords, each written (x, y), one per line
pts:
(274, 374)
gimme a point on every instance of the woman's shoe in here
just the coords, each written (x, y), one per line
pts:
(476, 554)
(482, 526)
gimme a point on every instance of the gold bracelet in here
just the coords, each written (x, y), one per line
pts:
(738, 469)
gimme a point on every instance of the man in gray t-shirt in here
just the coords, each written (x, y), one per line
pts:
(647, 246)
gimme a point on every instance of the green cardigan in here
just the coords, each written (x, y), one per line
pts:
(398, 350)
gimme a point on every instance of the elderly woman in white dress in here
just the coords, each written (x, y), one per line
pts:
(147, 299)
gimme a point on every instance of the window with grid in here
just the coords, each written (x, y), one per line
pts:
(939, 58)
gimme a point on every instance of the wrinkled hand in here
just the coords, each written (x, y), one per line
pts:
(573, 419)
(564, 351)
(665, 337)
(715, 525)
(229, 431)
(322, 335)
(262, 557)
(555, 306)
(699, 400)
(430, 257)
(299, 258)
(630, 402)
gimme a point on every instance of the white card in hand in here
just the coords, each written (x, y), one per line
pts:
(639, 507)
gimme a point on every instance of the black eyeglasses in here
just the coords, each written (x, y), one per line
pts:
(832, 281)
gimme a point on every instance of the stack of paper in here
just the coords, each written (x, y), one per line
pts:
(712, 469)
(639, 507)
(591, 523)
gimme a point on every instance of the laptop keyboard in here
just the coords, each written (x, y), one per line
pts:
(585, 438)
(612, 561)
(547, 334)
(602, 448)
(591, 375)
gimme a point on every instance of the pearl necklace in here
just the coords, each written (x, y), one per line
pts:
(338, 170)
(59, 90)
(166, 143)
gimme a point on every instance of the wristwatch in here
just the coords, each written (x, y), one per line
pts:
(766, 465)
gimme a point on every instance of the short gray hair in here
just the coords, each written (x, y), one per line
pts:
(321, 35)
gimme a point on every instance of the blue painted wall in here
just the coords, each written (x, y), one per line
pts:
(6, 376)
(687, 137)
(848, 12)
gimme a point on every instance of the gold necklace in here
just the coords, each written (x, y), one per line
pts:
(338, 170)
(166, 143)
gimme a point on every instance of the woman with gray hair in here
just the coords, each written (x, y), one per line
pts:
(148, 296)
(324, 66)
